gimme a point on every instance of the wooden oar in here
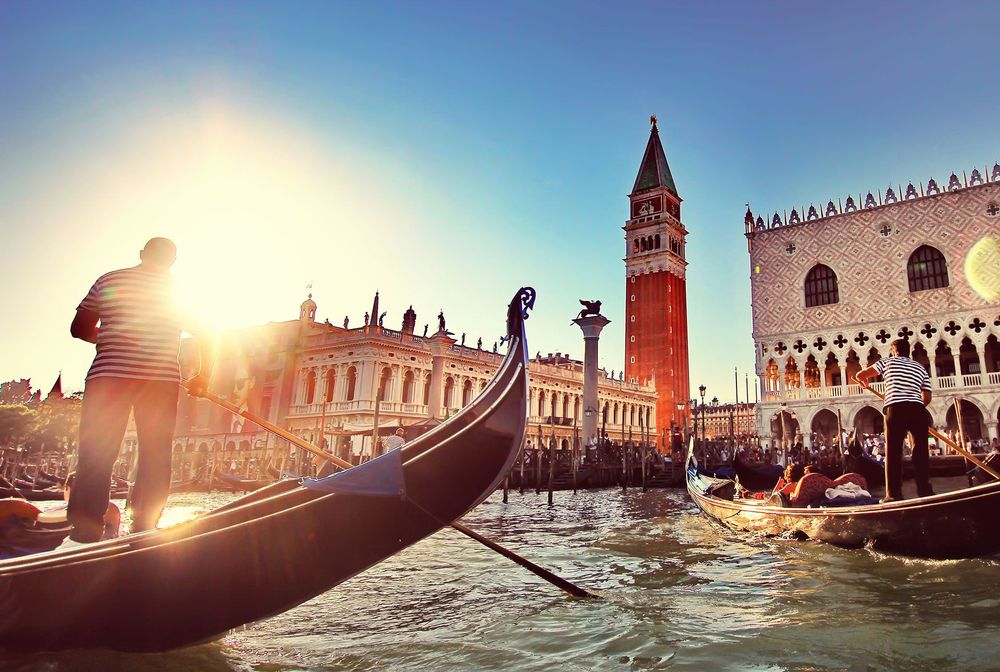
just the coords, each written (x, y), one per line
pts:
(557, 581)
(951, 444)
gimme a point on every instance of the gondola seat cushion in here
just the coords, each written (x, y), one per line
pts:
(812, 487)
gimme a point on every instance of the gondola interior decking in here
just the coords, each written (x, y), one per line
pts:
(958, 524)
(271, 550)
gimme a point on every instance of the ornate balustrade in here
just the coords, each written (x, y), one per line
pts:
(358, 406)
(970, 381)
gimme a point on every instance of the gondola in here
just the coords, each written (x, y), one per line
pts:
(195, 484)
(756, 476)
(24, 531)
(960, 524)
(9, 491)
(47, 480)
(225, 481)
(273, 549)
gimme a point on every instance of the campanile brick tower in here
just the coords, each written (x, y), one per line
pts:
(656, 342)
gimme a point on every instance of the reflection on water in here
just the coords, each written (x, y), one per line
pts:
(678, 593)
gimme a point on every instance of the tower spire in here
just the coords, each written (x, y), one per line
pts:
(654, 171)
(56, 391)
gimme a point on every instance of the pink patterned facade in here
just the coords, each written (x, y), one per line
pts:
(876, 251)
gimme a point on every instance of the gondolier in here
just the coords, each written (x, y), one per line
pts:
(276, 548)
(135, 370)
(393, 442)
(907, 393)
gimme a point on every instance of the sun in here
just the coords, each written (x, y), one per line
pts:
(256, 206)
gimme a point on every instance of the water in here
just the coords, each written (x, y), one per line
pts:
(679, 593)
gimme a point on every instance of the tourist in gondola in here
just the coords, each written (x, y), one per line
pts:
(907, 393)
(135, 370)
(788, 480)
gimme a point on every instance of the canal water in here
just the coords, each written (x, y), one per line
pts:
(678, 593)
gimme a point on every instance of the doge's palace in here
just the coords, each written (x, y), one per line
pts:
(833, 285)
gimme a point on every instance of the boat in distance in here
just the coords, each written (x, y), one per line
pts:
(273, 549)
(959, 524)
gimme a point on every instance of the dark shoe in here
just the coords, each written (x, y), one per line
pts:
(86, 534)
(925, 492)
(82, 537)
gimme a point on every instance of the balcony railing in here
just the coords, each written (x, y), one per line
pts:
(947, 382)
(358, 406)
(970, 380)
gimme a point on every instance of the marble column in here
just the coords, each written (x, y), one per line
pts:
(591, 326)
(439, 344)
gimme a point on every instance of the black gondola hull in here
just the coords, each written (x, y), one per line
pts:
(267, 552)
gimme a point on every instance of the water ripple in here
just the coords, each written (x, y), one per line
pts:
(677, 593)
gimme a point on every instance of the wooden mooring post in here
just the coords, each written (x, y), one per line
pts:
(552, 463)
(574, 456)
(520, 481)
(538, 463)
(644, 451)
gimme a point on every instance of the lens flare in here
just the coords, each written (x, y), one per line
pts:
(982, 268)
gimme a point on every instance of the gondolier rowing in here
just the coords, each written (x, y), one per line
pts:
(907, 393)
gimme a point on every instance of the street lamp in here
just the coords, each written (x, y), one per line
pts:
(701, 389)
(693, 430)
(680, 418)
(784, 433)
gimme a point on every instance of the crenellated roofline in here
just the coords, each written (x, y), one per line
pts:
(871, 201)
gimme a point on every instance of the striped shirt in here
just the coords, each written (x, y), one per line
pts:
(140, 330)
(904, 380)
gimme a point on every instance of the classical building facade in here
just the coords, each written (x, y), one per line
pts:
(656, 346)
(833, 286)
(326, 383)
(717, 421)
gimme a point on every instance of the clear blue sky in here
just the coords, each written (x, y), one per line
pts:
(446, 153)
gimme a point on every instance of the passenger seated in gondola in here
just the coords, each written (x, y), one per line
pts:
(785, 484)
(800, 486)
(793, 474)
(812, 487)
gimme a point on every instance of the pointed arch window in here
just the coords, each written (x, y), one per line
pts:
(821, 286)
(926, 269)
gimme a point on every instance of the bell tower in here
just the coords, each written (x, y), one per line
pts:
(656, 342)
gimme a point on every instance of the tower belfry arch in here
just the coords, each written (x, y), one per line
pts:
(656, 343)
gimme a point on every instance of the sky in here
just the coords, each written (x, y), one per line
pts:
(446, 153)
